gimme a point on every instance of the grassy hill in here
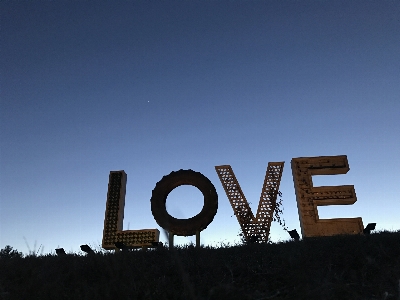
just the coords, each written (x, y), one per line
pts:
(339, 267)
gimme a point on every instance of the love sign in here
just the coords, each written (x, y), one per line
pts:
(308, 199)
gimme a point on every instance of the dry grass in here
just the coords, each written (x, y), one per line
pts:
(342, 267)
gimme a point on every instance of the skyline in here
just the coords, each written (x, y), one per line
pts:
(150, 88)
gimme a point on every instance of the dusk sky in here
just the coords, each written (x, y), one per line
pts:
(150, 87)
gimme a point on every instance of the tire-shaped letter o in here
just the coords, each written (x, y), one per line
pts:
(184, 227)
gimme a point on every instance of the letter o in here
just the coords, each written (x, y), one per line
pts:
(184, 227)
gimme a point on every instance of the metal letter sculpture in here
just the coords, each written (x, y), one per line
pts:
(184, 227)
(259, 226)
(112, 232)
(309, 197)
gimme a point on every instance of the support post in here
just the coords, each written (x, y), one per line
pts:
(171, 240)
(197, 239)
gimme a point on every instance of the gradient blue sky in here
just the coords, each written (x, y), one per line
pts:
(150, 87)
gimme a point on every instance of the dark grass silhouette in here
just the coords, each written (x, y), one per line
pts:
(339, 267)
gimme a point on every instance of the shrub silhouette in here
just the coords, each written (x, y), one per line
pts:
(9, 252)
(338, 267)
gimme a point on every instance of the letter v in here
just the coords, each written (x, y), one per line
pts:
(253, 227)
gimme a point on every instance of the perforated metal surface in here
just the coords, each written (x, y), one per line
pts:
(114, 217)
(251, 226)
